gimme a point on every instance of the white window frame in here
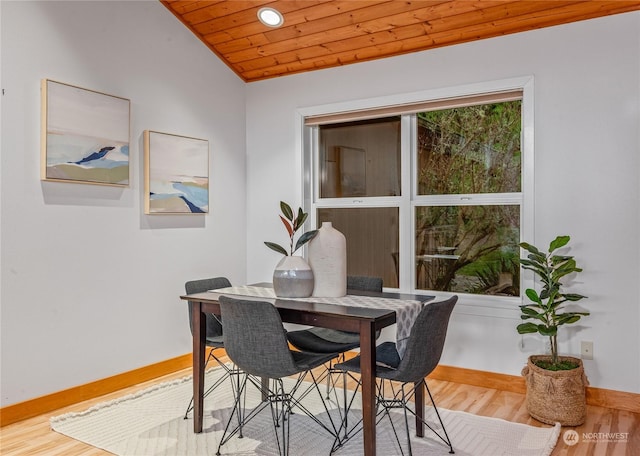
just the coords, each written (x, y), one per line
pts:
(306, 141)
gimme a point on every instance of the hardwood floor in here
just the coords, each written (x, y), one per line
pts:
(33, 436)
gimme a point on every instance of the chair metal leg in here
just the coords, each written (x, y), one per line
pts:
(295, 401)
(236, 409)
(344, 401)
(329, 371)
(406, 421)
(217, 383)
(280, 409)
(241, 394)
(348, 433)
(399, 399)
(239, 411)
(281, 404)
(448, 440)
(331, 387)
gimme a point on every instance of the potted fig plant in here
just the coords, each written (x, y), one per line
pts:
(555, 384)
(292, 276)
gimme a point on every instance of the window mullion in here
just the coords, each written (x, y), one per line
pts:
(382, 201)
(406, 228)
(314, 161)
(477, 199)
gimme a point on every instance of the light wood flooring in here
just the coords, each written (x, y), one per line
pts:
(33, 436)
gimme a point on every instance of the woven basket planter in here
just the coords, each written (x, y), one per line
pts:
(556, 396)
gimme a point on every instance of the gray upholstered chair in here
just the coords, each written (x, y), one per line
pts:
(213, 325)
(326, 340)
(421, 356)
(256, 341)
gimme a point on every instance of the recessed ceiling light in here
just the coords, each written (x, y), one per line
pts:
(270, 17)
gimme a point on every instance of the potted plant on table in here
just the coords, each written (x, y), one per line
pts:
(292, 277)
(555, 384)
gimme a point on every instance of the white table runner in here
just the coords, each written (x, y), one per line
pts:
(406, 310)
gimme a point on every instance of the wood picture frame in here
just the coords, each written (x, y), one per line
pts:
(176, 174)
(85, 135)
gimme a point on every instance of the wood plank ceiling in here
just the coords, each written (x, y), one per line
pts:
(319, 34)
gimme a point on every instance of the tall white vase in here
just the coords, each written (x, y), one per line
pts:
(328, 260)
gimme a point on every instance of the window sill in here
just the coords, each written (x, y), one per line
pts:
(483, 306)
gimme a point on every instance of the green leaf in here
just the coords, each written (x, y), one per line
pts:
(533, 265)
(574, 297)
(547, 330)
(558, 242)
(535, 316)
(572, 314)
(277, 248)
(556, 259)
(527, 328)
(529, 248)
(302, 216)
(531, 294)
(286, 210)
(566, 319)
(306, 237)
(564, 265)
(529, 311)
(538, 258)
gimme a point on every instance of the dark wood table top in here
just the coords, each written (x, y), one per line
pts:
(308, 312)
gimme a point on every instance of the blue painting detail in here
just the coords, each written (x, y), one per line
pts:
(95, 155)
(103, 158)
(196, 198)
(196, 195)
(85, 159)
(193, 208)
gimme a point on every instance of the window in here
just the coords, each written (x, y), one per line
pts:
(467, 206)
(360, 159)
(360, 162)
(429, 194)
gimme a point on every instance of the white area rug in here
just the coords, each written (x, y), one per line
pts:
(150, 423)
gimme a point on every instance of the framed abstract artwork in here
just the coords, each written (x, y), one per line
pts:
(85, 135)
(176, 174)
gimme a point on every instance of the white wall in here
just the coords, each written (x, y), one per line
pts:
(90, 284)
(587, 173)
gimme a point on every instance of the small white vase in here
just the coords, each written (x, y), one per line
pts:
(293, 278)
(328, 260)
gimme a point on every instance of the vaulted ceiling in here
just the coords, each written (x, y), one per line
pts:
(320, 34)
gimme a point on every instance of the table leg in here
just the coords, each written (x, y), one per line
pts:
(367, 372)
(199, 334)
(419, 398)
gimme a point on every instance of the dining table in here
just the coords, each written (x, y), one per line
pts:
(362, 312)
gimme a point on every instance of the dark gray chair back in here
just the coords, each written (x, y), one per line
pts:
(426, 342)
(214, 328)
(255, 339)
(364, 283)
